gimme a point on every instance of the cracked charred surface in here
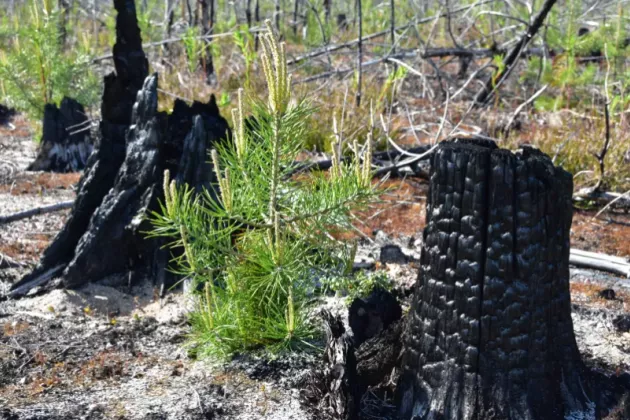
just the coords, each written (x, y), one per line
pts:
(119, 96)
(105, 233)
(66, 144)
(490, 333)
(114, 243)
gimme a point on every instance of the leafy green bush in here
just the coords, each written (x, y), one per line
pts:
(255, 243)
(36, 69)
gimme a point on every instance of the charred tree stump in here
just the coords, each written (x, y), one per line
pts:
(119, 95)
(356, 358)
(104, 234)
(490, 335)
(66, 144)
(5, 114)
(113, 242)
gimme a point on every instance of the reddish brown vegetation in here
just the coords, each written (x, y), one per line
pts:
(38, 183)
(601, 235)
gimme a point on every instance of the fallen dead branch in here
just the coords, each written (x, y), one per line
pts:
(36, 211)
(609, 199)
(603, 262)
(8, 262)
(495, 81)
(337, 47)
(390, 155)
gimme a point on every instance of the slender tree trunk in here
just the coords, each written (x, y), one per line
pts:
(359, 54)
(277, 15)
(327, 7)
(187, 11)
(295, 16)
(169, 17)
(248, 14)
(393, 25)
(207, 22)
(64, 9)
(196, 15)
(257, 18)
(94, 22)
(213, 14)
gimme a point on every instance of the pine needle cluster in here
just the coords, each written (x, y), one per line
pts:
(256, 243)
(36, 68)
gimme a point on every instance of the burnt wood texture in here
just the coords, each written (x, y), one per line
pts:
(65, 144)
(489, 334)
(105, 233)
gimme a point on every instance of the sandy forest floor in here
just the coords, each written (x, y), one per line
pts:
(105, 353)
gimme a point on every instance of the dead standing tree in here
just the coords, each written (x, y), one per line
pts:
(495, 81)
(105, 232)
(207, 25)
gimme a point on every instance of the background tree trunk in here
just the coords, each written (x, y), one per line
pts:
(490, 333)
(296, 10)
(207, 24)
(248, 14)
(64, 9)
(359, 56)
(257, 19)
(169, 18)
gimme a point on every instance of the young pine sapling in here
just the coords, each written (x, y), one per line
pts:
(255, 243)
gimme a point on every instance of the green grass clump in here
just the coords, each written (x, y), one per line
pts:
(256, 242)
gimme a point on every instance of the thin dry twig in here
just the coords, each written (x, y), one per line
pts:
(36, 211)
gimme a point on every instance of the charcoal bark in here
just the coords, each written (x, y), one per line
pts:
(490, 334)
(119, 95)
(113, 241)
(355, 359)
(370, 316)
(333, 390)
(105, 232)
(5, 114)
(66, 144)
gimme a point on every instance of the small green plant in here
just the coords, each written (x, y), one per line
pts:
(357, 285)
(392, 83)
(36, 69)
(245, 42)
(254, 243)
(194, 48)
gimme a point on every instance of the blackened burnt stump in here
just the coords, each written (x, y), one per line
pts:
(489, 334)
(105, 233)
(65, 144)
